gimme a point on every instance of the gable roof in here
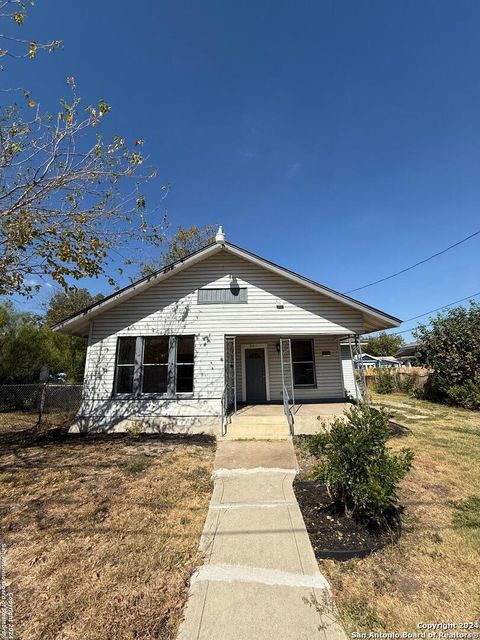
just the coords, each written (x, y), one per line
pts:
(78, 323)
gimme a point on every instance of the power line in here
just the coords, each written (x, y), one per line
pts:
(445, 306)
(439, 253)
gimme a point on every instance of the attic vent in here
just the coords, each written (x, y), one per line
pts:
(232, 295)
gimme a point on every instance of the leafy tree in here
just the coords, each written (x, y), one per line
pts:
(27, 342)
(185, 241)
(68, 198)
(26, 345)
(66, 303)
(451, 347)
(383, 345)
(73, 349)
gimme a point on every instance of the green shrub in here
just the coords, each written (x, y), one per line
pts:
(466, 395)
(134, 429)
(359, 471)
(406, 384)
(385, 381)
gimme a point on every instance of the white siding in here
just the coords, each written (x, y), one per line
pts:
(171, 308)
(329, 382)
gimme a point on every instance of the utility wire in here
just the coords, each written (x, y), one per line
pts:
(445, 306)
(394, 275)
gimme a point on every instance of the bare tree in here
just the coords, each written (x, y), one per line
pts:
(69, 200)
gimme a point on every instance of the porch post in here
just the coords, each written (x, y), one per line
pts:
(235, 373)
(362, 366)
(353, 367)
(291, 372)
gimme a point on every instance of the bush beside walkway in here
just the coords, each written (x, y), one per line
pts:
(431, 574)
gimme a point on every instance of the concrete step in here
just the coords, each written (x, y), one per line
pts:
(257, 431)
(245, 419)
(256, 436)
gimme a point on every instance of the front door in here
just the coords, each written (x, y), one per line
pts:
(255, 375)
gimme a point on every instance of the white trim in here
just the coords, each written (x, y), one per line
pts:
(339, 350)
(84, 316)
(254, 345)
(311, 285)
(78, 321)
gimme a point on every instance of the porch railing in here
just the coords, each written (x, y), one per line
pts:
(288, 409)
(225, 411)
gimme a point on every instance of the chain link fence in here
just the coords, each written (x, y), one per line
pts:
(41, 399)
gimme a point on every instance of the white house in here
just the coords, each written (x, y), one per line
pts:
(203, 339)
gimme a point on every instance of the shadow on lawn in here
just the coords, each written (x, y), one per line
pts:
(58, 435)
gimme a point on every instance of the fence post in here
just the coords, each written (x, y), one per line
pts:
(42, 402)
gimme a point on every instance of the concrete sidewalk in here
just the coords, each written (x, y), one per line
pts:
(260, 580)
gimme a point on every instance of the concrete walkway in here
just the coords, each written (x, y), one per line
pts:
(260, 580)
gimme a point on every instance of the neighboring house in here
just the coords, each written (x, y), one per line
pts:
(183, 347)
(375, 362)
(406, 355)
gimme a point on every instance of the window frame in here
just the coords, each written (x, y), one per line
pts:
(138, 371)
(183, 364)
(132, 364)
(312, 361)
(143, 365)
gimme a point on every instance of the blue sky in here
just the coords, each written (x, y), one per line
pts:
(339, 139)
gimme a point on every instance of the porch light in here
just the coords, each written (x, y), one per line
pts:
(278, 347)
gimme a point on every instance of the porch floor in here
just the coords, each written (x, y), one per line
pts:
(310, 409)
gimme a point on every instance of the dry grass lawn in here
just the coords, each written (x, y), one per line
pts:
(433, 573)
(102, 533)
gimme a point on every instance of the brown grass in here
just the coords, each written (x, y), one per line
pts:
(101, 533)
(432, 573)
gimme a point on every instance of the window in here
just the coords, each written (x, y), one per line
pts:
(184, 373)
(125, 365)
(232, 295)
(303, 363)
(156, 364)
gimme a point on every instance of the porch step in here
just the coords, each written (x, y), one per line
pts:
(247, 420)
(258, 428)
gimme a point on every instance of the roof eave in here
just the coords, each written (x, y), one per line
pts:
(77, 323)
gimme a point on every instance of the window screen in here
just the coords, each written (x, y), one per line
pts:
(232, 295)
(125, 365)
(303, 363)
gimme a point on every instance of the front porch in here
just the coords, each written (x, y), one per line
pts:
(280, 386)
(269, 421)
(301, 410)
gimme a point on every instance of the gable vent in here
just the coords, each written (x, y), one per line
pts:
(232, 295)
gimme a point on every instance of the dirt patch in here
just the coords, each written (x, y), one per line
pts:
(334, 534)
(102, 532)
